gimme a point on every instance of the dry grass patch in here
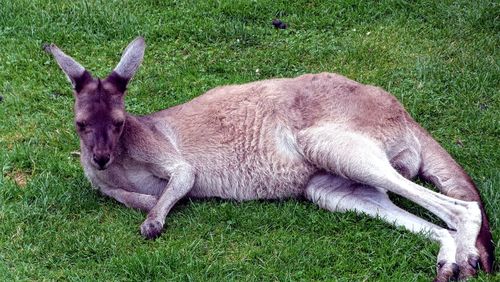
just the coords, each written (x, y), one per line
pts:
(19, 177)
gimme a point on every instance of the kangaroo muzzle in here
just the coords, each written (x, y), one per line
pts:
(101, 159)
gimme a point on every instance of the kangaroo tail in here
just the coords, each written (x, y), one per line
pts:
(439, 168)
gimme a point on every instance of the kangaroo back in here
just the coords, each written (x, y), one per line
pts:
(439, 168)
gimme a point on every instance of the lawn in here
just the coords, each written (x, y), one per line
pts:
(440, 58)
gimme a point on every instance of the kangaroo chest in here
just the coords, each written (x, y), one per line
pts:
(126, 174)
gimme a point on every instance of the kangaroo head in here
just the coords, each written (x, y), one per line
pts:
(99, 103)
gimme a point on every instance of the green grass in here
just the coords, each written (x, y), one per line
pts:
(440, 58)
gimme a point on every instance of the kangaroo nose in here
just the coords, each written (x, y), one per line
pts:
(101, 160)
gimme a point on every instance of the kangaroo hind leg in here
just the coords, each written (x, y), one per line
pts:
(361, 159)
(335, 193)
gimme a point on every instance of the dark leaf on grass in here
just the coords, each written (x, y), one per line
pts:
(279, 24)
(483, 107)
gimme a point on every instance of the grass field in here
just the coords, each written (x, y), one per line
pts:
(440, 58)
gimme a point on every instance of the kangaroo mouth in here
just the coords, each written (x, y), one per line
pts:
(101, 167)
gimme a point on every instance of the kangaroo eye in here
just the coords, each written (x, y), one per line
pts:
(81, 125)
(118, 123)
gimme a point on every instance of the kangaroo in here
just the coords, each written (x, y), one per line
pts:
(323, 137)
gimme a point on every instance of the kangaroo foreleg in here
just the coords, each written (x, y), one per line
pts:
(180, 183)
(131, 199)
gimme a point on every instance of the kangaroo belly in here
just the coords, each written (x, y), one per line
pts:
(266, 181)
(262, 161)
(276, 172)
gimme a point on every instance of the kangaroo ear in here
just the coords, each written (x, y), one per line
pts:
(75, 73)
(131, 59)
